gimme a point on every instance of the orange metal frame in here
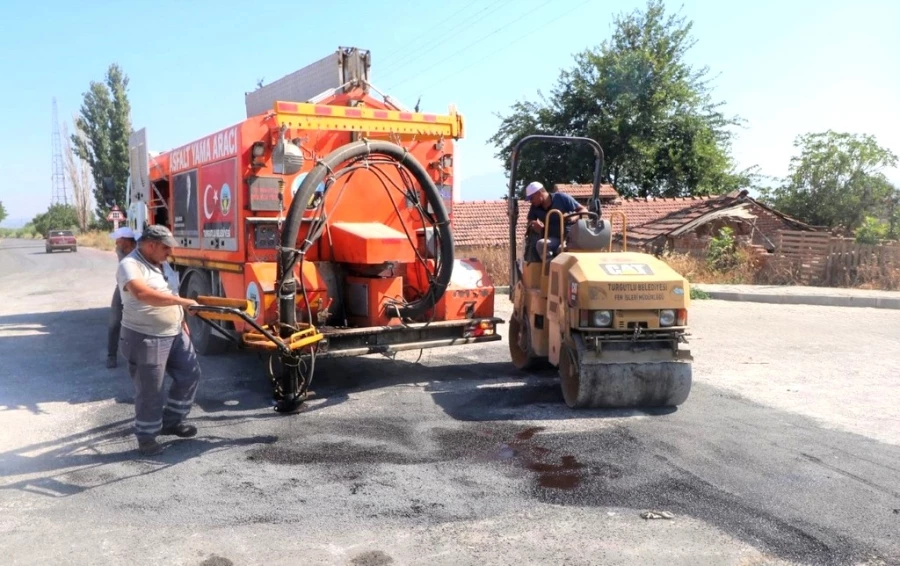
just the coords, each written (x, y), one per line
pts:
(319, 129)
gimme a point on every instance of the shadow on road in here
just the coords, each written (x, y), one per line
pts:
(465, 390)
(77, 463)
(61, 357)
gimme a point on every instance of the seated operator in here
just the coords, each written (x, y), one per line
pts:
(541, 202)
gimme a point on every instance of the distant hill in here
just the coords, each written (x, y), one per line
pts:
(14, 222)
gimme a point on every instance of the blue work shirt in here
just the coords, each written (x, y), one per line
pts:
(558, 201)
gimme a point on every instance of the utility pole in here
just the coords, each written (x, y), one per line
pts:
(60, 194)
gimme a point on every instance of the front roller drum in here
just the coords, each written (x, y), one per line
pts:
(622, 385)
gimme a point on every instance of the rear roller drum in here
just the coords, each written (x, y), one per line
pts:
(520, 350)
(622, 385)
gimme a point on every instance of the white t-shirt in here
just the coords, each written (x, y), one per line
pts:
(141, 317)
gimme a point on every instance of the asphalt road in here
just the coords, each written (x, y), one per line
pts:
(787, 452)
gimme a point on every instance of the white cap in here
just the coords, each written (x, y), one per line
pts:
(532, 188)
(123, 232)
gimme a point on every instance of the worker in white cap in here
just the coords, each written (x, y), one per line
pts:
(125, 244)
(542, 202)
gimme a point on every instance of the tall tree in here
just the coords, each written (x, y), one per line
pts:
(3, 213)
(57, 217)
(648, 108)
(836, 180)
(79, 173)
(105, 121)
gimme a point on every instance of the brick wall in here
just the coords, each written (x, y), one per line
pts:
(768, 225)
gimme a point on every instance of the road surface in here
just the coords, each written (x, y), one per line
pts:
(787, 452)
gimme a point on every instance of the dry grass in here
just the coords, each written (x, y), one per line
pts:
(99, 240)
(494, 258)
(748, 269)
(496, 261)
(879, 277)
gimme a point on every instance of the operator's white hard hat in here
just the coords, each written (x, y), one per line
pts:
(123, 232)
(532, 188)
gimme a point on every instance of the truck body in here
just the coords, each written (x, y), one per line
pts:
(371, 238)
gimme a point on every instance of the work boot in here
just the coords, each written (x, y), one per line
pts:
(181, 430)
(150, 447)
(111, 362)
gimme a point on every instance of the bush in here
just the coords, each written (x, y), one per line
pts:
(871, 231)
(698, 294)
(722, 252)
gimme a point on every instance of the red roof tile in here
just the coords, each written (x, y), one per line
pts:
(642, 211)
(485, 222)
(607, 192)
(670, 222)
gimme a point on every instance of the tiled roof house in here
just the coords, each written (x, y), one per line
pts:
(651, 222)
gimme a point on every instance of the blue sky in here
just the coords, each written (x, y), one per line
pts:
(786, 67)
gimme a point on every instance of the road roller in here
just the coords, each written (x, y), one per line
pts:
(614, 323)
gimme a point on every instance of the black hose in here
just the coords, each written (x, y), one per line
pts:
(329, 166)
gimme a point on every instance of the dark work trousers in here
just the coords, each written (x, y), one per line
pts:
(149, 359)
(115, 325)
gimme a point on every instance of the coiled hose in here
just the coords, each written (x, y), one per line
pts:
(329, 166)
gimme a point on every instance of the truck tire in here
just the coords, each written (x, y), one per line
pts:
(207, 342)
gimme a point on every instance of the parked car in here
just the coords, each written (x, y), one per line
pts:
(60, 240)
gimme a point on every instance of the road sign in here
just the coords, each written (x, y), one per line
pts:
(115, 216)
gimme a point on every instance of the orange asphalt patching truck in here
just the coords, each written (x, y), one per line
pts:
(317, 227)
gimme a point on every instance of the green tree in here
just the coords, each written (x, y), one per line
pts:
(644, 103)
(892, 210)
(57, 217)
(105, 125)
(836, 181)
(3, 213)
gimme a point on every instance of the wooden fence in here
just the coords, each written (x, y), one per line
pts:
(850, 264)
(817, 258)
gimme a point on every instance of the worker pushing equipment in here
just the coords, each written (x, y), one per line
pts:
(155, 341)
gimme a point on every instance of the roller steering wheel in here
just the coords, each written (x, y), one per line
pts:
(571, 215)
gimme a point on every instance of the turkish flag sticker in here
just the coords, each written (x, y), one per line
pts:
(217, 206)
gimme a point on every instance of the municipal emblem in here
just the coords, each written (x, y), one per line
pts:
(225, 199)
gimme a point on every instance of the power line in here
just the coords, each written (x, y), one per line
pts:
(441, 23)
(425, 48)
(501, 28)
(392, 68)
(543, 25)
